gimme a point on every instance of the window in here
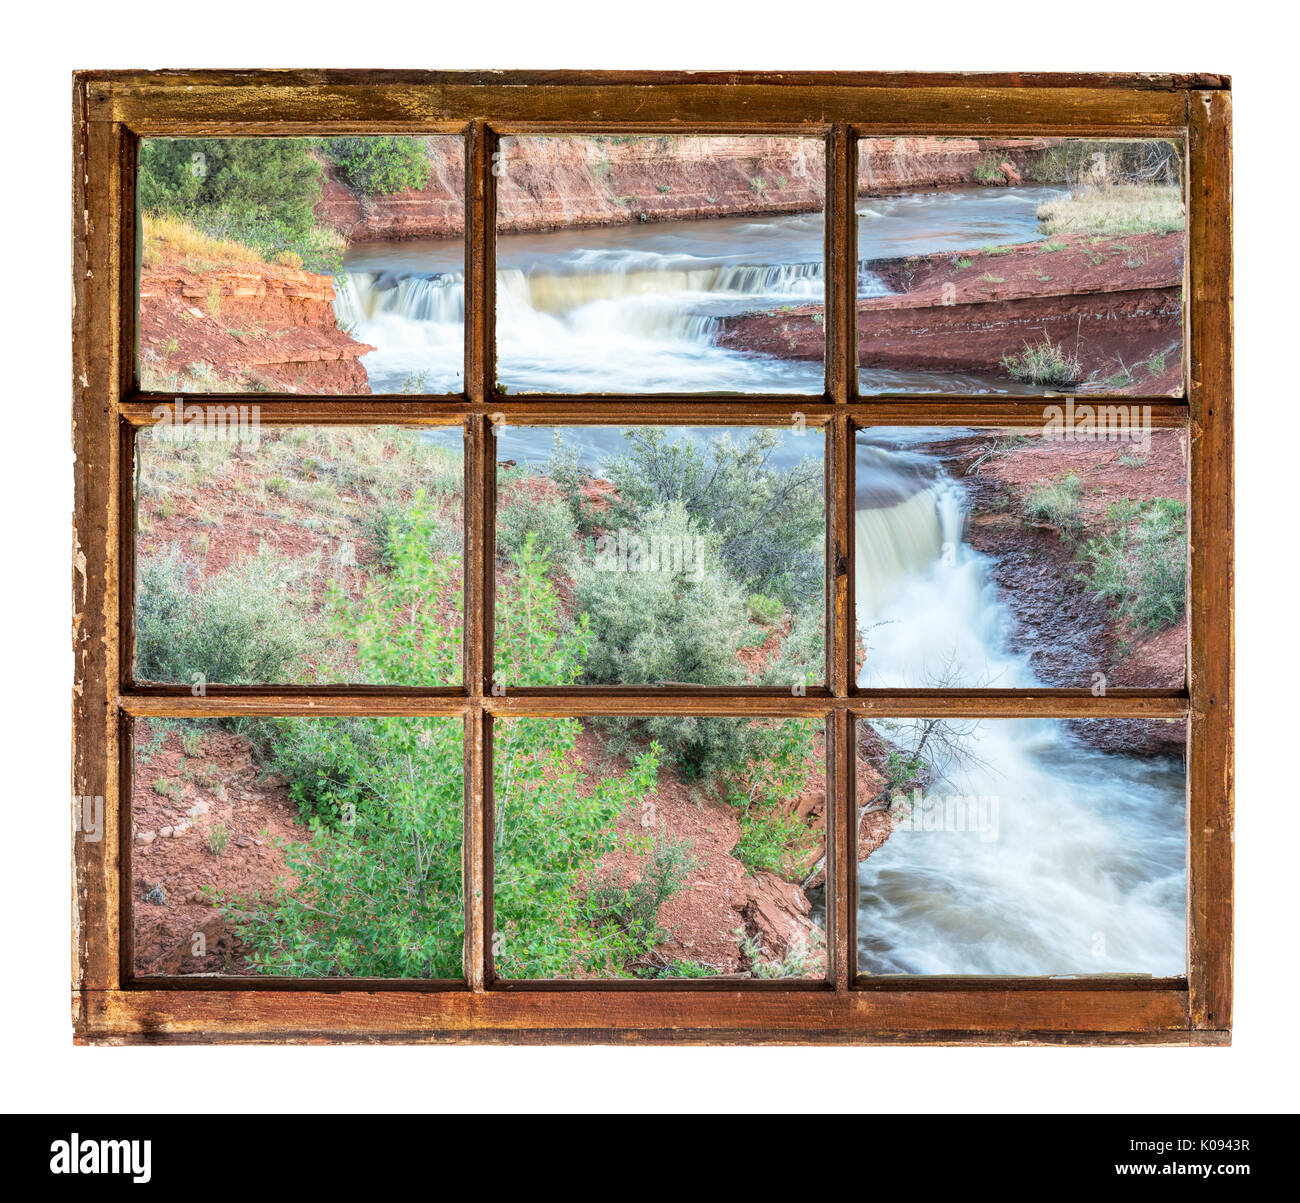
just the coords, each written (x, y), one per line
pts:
(648, 557)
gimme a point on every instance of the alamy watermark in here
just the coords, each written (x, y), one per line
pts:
(671, 555)
(1084, 423)
(181, 423)
(973, 813)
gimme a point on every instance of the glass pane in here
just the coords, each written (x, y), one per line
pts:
(668, 847)
(298, 847)
(1009, 846)
(316, 265)
(650, 555)
(297, 555)
(1020, 265)
(1014, 559)
(625, 264)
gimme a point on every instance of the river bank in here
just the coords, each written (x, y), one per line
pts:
(563, 183)
(1114, 304)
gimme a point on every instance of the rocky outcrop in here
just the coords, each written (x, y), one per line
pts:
(1113, 303)
(546, 183)
(247, 325)
(888, 165)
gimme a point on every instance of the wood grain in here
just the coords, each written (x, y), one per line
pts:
(1210, 757)
(113, 109)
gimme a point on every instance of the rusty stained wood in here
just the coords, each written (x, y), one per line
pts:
(599, 1014)
(113, 110)
(521, 410)
(315, 102)
(1210, 614)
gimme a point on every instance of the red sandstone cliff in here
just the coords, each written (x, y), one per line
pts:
(244, 325)
(549, 183)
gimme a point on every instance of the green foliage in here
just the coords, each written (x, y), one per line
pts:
(633, 908)
(378, 166)
(377, 889)
(1043, 362)
(245, 177)
(764, 609)
(258, 192)
(536, 645)
(1140, 562)
(772, 836)
(378, 894)
(769, 524)
(988, 170)
(653, 626)
(553, 824)
(1056, 503)
(399, 627)
(549, 520)
(242, 627)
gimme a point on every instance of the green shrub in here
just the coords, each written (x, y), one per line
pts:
(377, 889)
(258, 192)
(242, 627)
(399, 626)
(764, 609)
(247, 178)
(549, 520)
(1140, 562)
(1043, 362)
(772, 837)
(1056, 503)
(769, 524)
(378, 166)
(634, 907)
(654, 626)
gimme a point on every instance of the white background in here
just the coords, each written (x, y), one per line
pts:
(43, 1071)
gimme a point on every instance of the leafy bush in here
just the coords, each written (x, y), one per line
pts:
(549, 520)
(772, 836)
(654, 626)
(634, 908)
(769, 524)
(1140, 563)
(377, 889)
(399, 626)
(1056, 503)
(378, 166)
(241, 627)
(257, 192)
(380, 893)
(764, 609)
(250, 179)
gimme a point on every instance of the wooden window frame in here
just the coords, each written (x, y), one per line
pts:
(112, 111)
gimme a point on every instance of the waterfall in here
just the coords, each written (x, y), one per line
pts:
(1076, 862)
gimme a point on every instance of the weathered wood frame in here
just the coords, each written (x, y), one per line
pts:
(112, 111)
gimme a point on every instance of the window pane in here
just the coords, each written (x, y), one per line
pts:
(651, 555)
(298, 847)
(669, 847)
(297, 555)
(1014, 559)
(1009, 846)
(330, 265)
(624, 264)
(1020, 265)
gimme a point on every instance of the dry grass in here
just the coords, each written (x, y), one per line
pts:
(1119, 209)
(169, 236)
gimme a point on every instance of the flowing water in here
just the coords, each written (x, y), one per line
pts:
(635, 308)
(1076, 863)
